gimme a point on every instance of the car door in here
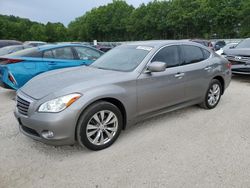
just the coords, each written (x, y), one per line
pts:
(197, 69)
(60, 58)
(158, 90)
(87, 55)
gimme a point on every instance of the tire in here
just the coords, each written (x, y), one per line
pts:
(207, 103)
(99, 126)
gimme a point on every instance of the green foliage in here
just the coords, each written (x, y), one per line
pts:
(12, 27)
(103, 23)
(159, 19)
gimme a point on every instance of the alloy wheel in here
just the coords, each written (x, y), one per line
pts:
(214, 94)
(102, 127)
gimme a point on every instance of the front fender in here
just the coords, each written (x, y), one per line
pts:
(127, 97)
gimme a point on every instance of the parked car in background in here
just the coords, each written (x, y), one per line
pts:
(19, 67)
(11, 49)
(91, 105)
(239, 56)
(103, 48)
(35, 43)
(4, 43)
(80, 43)
(228, 46)
(218, 44)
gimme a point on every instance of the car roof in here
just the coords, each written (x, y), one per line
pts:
(159, 43)
(13, 46)
(52, 46)
(40, 42)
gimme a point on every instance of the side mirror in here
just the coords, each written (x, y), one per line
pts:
(217, 47)
(157, 66)
(231, 47)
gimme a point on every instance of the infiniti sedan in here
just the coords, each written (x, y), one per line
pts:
(91, 105)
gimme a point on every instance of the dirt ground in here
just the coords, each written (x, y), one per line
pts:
(191, 147)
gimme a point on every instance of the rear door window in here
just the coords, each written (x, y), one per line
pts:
(63, 53)
(48, 54)
(168, 55)
(191, 54)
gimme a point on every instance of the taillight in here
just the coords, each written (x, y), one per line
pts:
(9, 61)
(11, 78)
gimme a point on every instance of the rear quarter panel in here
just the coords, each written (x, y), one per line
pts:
(27, 69)
(220, 68)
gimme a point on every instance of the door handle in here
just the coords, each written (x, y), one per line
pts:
(208, 68)
(52, 63)
(179, 75)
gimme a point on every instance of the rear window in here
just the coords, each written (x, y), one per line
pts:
(63, 53)
(30, 52)
(206, 53)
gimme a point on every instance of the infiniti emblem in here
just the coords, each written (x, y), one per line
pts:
(237, 57)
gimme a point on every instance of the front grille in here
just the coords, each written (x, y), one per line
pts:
(22, 106)
(236, 58)
(237, 62)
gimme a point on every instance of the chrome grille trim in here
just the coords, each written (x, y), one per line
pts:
(22, 105)
(238, 58)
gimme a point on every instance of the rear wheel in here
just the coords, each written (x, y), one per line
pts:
(99, 126)
(213, 95)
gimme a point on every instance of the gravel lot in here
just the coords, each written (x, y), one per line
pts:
(191, 147)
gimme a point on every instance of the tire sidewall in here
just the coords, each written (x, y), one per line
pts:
(84, 119)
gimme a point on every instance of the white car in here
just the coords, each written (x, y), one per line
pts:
(228, 46)
(35, 43)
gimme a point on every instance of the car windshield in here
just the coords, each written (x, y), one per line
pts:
(244, 44)
(228, 46)
(123, 58)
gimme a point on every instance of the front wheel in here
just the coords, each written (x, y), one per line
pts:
(213, 95)
(99, 126)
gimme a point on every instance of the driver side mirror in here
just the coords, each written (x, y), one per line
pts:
(157, 66)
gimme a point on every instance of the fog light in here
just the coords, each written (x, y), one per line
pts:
(47, 134)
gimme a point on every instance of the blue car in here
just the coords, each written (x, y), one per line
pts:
(18, 68)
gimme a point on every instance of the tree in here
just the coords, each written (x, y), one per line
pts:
(159, 19)
(103, 23)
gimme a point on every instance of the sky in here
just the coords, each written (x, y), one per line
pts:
(62, 11)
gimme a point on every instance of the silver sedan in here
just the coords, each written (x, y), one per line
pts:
(91, 105)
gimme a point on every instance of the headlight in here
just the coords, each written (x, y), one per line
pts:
(59, 104)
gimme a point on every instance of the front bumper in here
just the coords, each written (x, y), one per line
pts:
(62, 125)
(241, 69)
(240, 66)
(63, 128)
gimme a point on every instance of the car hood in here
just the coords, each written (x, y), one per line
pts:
(238, 51)
(77, 78)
